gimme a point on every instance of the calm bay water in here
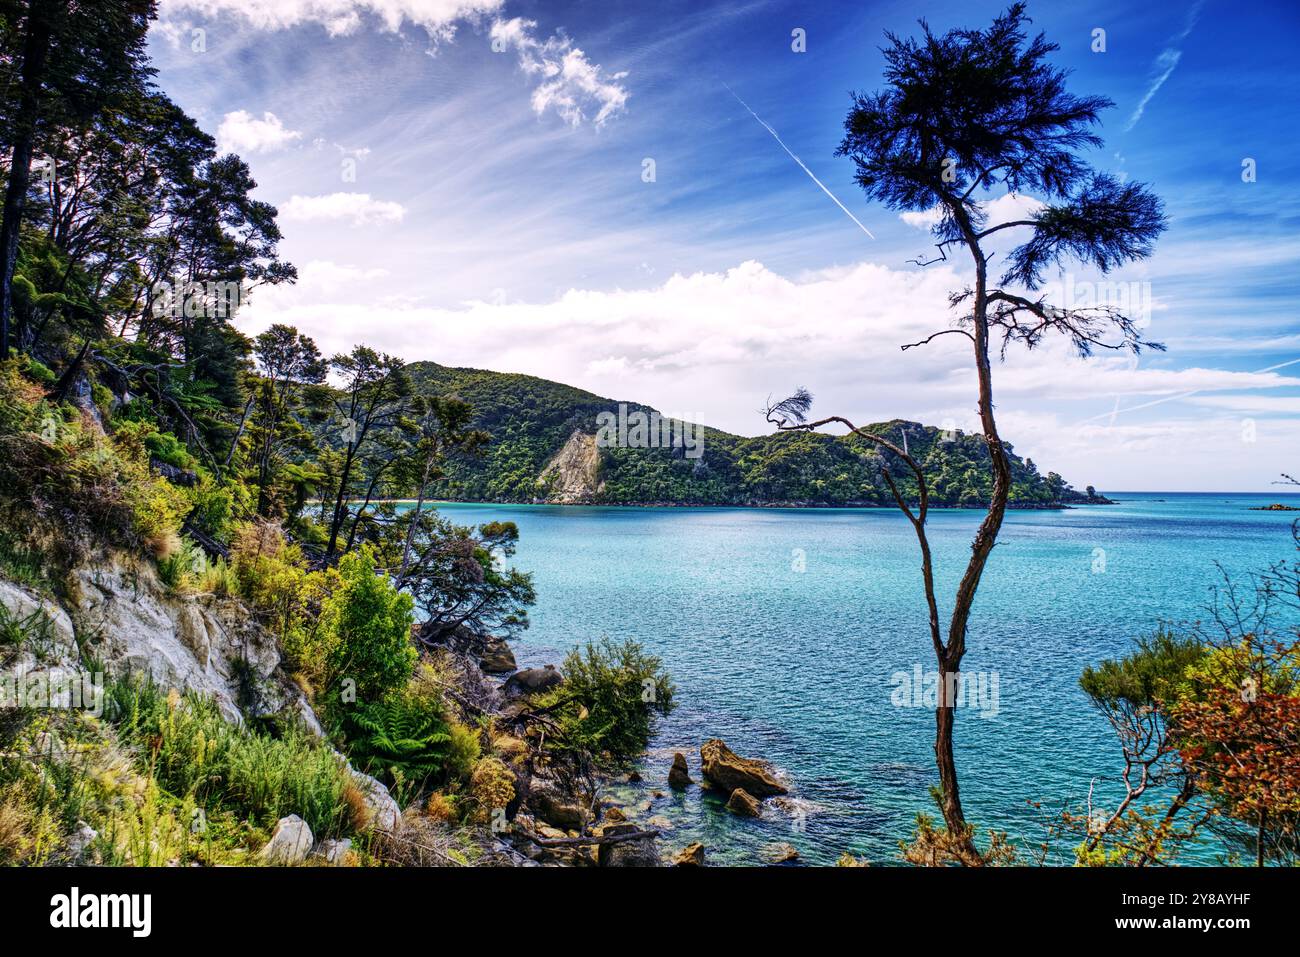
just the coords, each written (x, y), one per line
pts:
(795, 665)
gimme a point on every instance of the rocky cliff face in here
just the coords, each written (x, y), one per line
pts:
(123, 616)
(573, 475)
(118, 614)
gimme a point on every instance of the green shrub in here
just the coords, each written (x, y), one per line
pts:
(38, 371)
(608, 701)
(371, 622)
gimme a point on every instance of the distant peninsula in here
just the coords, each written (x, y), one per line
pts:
(555, 444)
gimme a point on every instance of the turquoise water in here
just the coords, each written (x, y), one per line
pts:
(795, 666)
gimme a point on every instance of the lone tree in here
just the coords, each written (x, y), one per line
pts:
(962, 115)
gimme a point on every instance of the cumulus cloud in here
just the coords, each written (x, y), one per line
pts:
(567, 81)
(438, 18)
(712, 346)
(360, 208)
(241, 132)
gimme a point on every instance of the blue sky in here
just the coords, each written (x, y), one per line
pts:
(466, 181)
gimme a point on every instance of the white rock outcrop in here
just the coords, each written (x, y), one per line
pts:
(290, 843)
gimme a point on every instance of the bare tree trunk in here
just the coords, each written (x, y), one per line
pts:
(336, 523)
(410, 529)
(950, 656)
(35, 51)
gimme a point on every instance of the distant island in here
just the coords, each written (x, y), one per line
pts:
(555, 444)
(1275, 507)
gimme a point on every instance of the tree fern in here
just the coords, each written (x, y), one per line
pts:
(400, 735)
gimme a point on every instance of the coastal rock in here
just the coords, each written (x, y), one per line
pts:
(79, 842)
(497, 658)
(290, 843)
(692, 855)
(51, 641)
(659, 822)
(573, 475)
(743, 803)
(549, 805)
(641, 852)
(533, 680)
(727, 771)
(779, 854)
(679, 776)
(382, 812)
(201, 643)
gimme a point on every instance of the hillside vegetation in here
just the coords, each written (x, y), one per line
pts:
(530, 420)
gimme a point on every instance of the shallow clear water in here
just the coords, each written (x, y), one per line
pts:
(795, 666)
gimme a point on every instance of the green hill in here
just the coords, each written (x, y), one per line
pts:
(544, 448)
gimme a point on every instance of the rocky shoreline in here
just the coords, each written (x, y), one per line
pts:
(547, 823)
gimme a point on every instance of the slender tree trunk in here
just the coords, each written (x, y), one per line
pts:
(239, 432)
(336, 523)
(35, 51)
(410, 529)
(954, 650)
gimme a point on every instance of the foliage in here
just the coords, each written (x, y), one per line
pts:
(399, 734)
(458, 577)
(606, 706)
(530, 419)
(491, 787)
(193, 752)
(371, 622)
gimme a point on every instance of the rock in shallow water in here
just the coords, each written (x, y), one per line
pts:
(679, 776)
(727, 771)
(743, 803)
(692, 855)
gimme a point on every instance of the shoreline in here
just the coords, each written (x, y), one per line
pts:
(789, 506)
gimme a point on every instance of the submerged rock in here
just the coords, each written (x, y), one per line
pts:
(679, 776)
(780, 854)
(743, 803)
(692, 855)
(727, 771)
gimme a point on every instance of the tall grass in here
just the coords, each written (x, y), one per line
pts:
(194, 752)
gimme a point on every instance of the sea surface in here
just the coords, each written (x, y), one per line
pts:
(785, 631)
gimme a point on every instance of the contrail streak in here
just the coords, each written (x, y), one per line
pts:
(802, 166)
(1174, 398)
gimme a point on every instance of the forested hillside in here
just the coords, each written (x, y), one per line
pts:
(530, 419)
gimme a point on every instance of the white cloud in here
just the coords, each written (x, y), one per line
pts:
(569, 83)
(719, 343)
(360, 208)
(241, 132)
(438, 18)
